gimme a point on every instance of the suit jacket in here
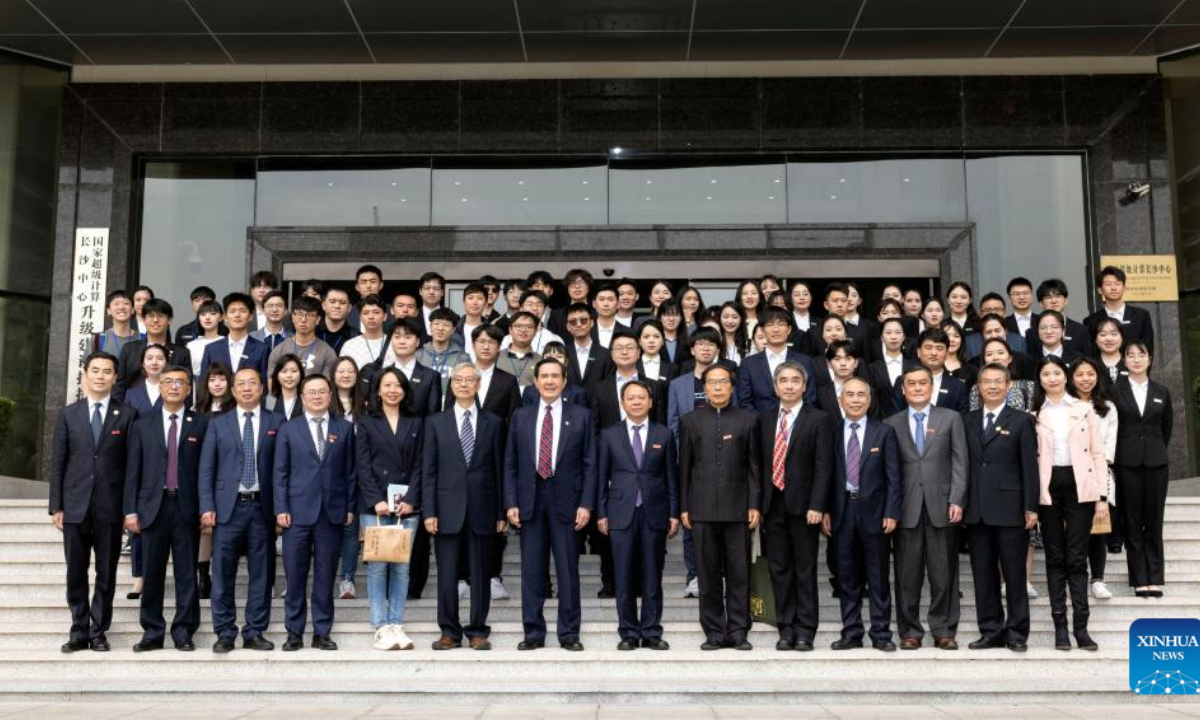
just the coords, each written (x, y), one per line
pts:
(622, 479)
(221, 463)
(385, 458)
(254, 354)
(756, 387)
(138, 399)
(1077, 341)
(463, 495)
(87, 478)
(1136, 325)
(573, 484)
(1003, 470)
(808, 464)
(425, 382)
(599, 365)
(938, 478)
(719, 477)
(880, 481)
(1085, 444)
(606, 406)
(129, 368)
(1010, 322)
(146, 469)
(276, 405)
(883, 395)
(1142, 438)
(503, 396)
(311, 488)
(953, 394)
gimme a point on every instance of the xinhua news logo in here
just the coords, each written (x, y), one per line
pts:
(1164, 656)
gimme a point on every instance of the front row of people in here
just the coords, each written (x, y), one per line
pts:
(907, 485)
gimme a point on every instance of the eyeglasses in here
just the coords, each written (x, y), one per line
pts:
(579, 322)
(469, 380)
(718, 382)
(993, 381)
(316, 392)
(523, 326)
(305, 315)
(173, 383)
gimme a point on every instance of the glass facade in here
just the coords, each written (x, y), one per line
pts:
(30, 107)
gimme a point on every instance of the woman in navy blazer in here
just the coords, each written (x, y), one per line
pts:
(1143, 434)
(390, 439)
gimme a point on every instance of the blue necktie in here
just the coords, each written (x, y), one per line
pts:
(97, 425)
(638, 453)
(246, 481)
(467, 435)
(919, 433)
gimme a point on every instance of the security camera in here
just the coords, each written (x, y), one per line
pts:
(609, 272)
(1134, 192)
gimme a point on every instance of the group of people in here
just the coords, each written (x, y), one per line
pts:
(938, 427)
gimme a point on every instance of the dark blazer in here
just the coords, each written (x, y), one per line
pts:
(426, 386)
(189, 332)
(606, 407)
(308, 487)
(276, 405)
(880, 482)
(86, 478)
(503, 396)
(573, 485)
(719, 464)
(1003, 469)
(1011, 323)
(453, 491)
(599, 365)
(146, 469)
(1142, 439)
(667, 370)
(1076, 340)
(254, 354)
(966, 373)
(1136, 325)
(861, 335)
(138, 399)
(130, 365)
(756, 387)
(883, 396)
(221, 463)
(572, 394)
(953, 394)
(384, 458)
(1022, 367)
(808, 466)
(621, 479)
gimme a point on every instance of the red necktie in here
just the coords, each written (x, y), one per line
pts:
(781, 444)
(546, 445)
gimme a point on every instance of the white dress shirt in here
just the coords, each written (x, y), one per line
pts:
(312, 428)
(894, 365)
(937, 388)
(605, 335)
(1056, 352)
(485, 382)
(260, 319)
(289, 406)
(1058, 415)
(640, 441)
(791, 420)
(556, 423)
(408, 368)
(152, 392)
(1141, 391)
(581, 356)
(804, 322)
(652, 366)
(912, 422)
(995, 412)
(459, 413)
(1023, 322)
(774, 360)
(236, 348)
(1118, 315)
(166, 424)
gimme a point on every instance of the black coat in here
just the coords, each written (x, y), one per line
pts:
(145, 471)
(879, 476)
(386, 458)
(808, 465)
(86, 478)
(1004, 481)
(503, 395)
(459, 495)
(1142, 438)
(426, 386)
(1135, 326)
(129, 368)
(606, 408)
(719, 478)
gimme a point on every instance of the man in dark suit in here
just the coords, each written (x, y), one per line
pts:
(314, 499)
(578, 283)
(720, 494)
(639, 510)
(589, 362)
(162, 503)
(864, 510)
(933, 453)
(795, 484)
(842, 362)
(549, 493)
(237, 502)
(404, 339)
(87, 481)
(1052, 294)
(948, 392)
(756, 384)
(157, 314)
(1020, 296)
(460, 496)
(237, 350)
(1135, 322)
(1002, 503)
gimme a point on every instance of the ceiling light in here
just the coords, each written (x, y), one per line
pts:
(524, 199)
(778, 180)
(841, 180)
(713, 181)
(585, 182)
(520, 182)
(907, 179)
(330, 184)
(649, 181)
(586, 199)
(708, 197)
(831, 197)
(616, 151)
(770, 197)
(464, 199)
(647, 197)
(457, 183)
(393, 184)
(403, 199)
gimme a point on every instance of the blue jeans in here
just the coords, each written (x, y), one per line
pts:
(350, 546)
(387, 583)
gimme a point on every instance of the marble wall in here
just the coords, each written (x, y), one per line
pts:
(1118, 121)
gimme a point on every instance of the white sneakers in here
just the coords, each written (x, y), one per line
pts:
(1100, 591)
(1031, 591)
(346, 590)
(693, 589)
(464, 590)
(499, 592)
(392, 637)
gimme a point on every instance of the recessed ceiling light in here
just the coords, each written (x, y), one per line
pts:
(524, 199)
(831, 197)
(778, 180)
(457, 183)
(520, 182)
(403, 199)
(713, 181)
(907, 179)
(393, 184)
(770, 197)
(708, 197)
(586, 199)
(647, 197)
(649, 181)
(841, 180)
(464, 199)
(330, 184)
(585, 182)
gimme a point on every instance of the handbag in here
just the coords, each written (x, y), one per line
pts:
(387, 543)
(1102, 527)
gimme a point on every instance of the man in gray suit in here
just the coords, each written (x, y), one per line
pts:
(933, 451)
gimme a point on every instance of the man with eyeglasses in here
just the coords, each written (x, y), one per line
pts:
(517, 357)
(592, 363)
(162, 503)
(274, 311)
(433, 290)
(721, 501)
(579, 289)
(315, 355)
(315, 495)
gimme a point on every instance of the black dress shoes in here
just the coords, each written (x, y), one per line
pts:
(322, 642)
(185, 645)
(573, 646)
(294, 643)
(258, 642)
(71, 646)
(1017, 646)
(845, 643)
(148, 645)
(223, 646)
(531, 645)
(606, 592)
(884, 645)
(100, 644)
(626, 645)
(804, 645)
(656, 643)
(743, 645)
(712, 645)
(784, 644)
(984, 643)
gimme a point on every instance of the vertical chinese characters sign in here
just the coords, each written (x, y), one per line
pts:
(89, 270)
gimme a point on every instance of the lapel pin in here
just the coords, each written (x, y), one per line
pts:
(116, 412)
(874, 449)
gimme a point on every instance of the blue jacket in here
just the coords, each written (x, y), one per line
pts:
(310, 488)
(621, 478)
(254, 354)
(459, 495)
(574, 483)
(756, 387)
(221, 463)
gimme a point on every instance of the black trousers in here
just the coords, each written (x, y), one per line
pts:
(1142, 500)
(174, 537)
(930, 550)
(495, 559)
(1066, 529)
(478, 551)
(790, 545)
(863, 555)
(91, 619)
(418, 566)
(639, 553)
(723, 565)
(598, 544)
(247, 531)
(997, 551)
